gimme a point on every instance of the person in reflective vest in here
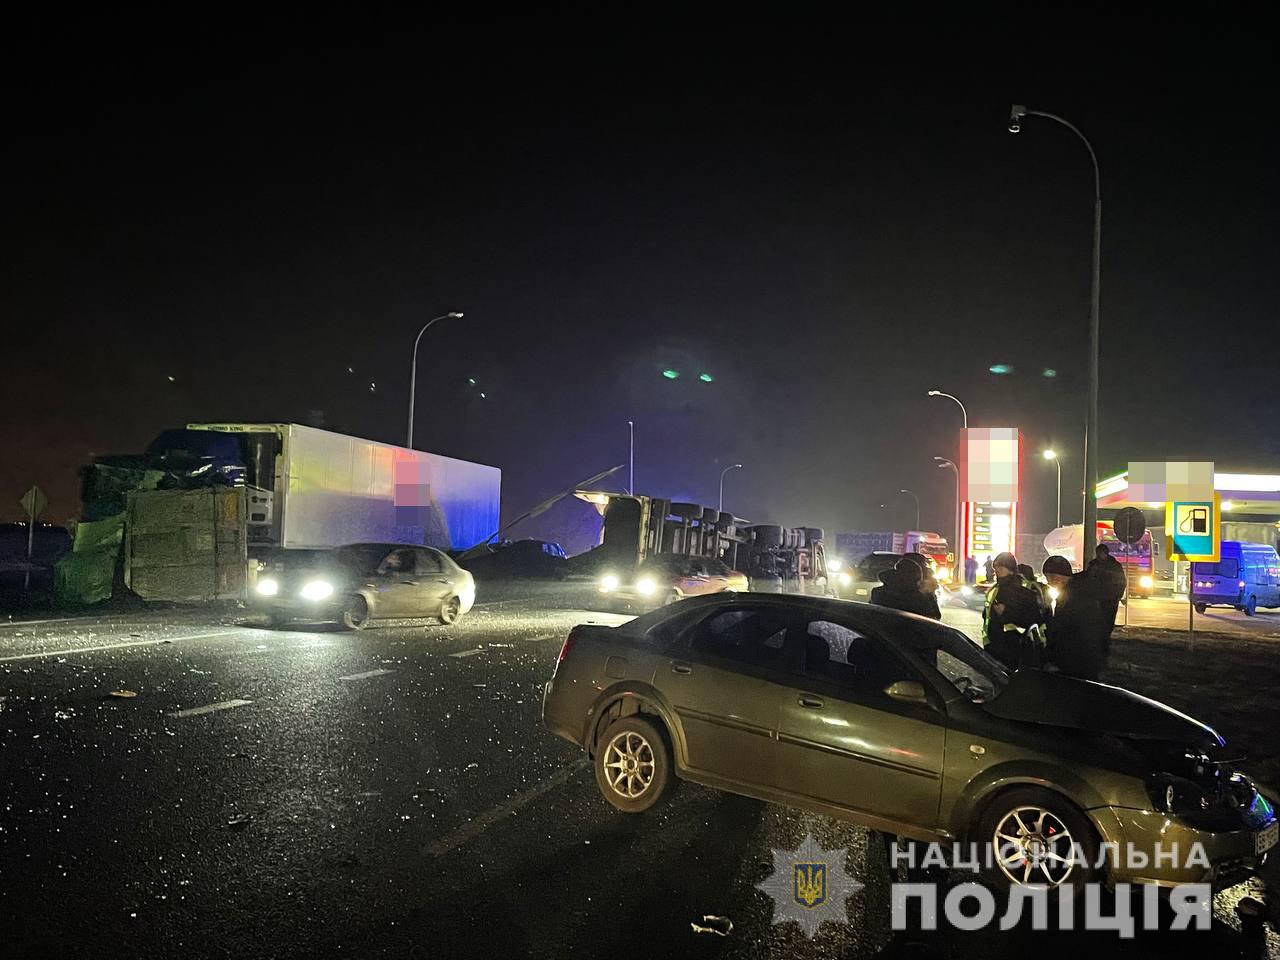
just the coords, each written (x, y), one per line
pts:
(1013, 617)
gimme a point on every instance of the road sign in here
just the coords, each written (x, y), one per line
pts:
(1194, 529)
(1130, 524)
(33, 502)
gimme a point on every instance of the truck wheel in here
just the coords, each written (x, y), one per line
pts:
(633, 765)
(355, 615)
(1250, 606)
(450, 611)
(1201, 607)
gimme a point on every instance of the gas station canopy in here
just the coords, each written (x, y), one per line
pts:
(1243, 494)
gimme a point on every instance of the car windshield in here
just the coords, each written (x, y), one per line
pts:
(362, 557)
(964, 665)
(871, 567)
(1226, 567)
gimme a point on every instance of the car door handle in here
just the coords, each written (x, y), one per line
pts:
(681, 668)
(811, 703)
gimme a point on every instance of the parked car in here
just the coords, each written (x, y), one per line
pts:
(357, 584)
(1246, 576)
(670, 577)
(903, 724)
(532, 559)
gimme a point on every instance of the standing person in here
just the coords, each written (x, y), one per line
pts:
(900, 589)
(1029, 575)
(989, 569)
(970, 570)
(928, 585)
(1109, 582)
(1012, 608)
(1078, 625)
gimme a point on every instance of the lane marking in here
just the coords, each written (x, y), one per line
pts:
(367, 674)
(467, 833)
(468, 653)
(114, 646)
(32, 623)
(210, 708)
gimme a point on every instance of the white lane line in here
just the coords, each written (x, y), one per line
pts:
(367, 674)
(498, 603)
(114, 646)
(210, 708)
(468, 653)
(32, 623)
(465, 834)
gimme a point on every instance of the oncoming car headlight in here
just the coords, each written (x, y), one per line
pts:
(316, 590)
(608, 583)
(268, 586)
(834, 564)
(646, 585)
(1146, 582)
(845, 579)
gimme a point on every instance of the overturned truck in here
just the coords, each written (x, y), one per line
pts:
(637, 528)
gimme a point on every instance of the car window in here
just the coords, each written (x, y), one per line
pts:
(429, 562)
(1226, 567)
(844, 655)
(752, 635)
(962, 663)
(696, 568)
(718, 568)
(398, 561)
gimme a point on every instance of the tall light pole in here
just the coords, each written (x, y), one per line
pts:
(917, 500)
(631, 458)
(963, 412)
(1052, 455)
(1016, 113)
(413, 370)
(958, 573)
(732, 466)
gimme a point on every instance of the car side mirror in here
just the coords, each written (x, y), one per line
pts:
(906, 691)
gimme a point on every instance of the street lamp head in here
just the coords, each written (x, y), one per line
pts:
(935, 393)
(1051, 455)
(456, 316)
(1016, 113)
(737, 466)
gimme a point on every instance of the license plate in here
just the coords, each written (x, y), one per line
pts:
(1264, 840)
(861, 592)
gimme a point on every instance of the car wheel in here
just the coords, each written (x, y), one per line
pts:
(1250, 606)
(1201, 607)
(277, 619)
(355, 615)
(633, 765)
(450, 611)
(1031, 835)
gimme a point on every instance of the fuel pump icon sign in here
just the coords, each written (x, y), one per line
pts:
(1193, 530)
(1195, 521)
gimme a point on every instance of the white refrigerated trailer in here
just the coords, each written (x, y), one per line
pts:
(313, 489)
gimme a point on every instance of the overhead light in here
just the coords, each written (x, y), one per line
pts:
(705, 377)
(1049, 372)
(1051, 455)
(671, 374)
(1227, 505)
(1000, 369)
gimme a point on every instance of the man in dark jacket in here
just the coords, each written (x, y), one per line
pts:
(1110, 583)
(900, 590)
(928, 585)
(1078, 625)
(1013, 607)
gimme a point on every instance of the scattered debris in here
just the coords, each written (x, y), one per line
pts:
(720, 926)
(65, 714)
(123, 694)
(239, 821)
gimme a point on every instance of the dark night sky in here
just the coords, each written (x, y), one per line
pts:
(829, 221)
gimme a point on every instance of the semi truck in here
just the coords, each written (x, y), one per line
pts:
(854, 545)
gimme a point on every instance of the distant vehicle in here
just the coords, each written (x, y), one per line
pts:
(1137, 559)
(532, 559)
(362, 582)
(864, 576)
(667, 578)
(852, 545)
(1246, 576)
(901, 724)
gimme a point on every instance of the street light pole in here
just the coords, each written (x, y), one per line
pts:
(1095, 292)
(957, 574)
(631, 458)
(1052, 455)
(733, 466)
(963, 412)
(917, 500)
(413, 370)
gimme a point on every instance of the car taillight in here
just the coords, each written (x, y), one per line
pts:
(564, 651)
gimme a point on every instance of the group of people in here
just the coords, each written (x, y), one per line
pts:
(1064, 623)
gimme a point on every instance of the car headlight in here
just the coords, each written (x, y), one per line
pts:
(1054, 594)
(1176, 795)
(834, 564)
(608, 583)
(845, 578)
(268, 586)
(316, 590)
(646, 585)
(1146, 583)
(942, 574)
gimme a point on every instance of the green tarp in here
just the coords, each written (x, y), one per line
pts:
(85, 575)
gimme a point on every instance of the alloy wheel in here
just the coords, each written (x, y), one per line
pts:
(1033, 845)
(629, 764)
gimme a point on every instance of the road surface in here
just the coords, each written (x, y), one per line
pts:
(182, 785)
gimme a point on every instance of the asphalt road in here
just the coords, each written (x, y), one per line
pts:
(185, 785)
